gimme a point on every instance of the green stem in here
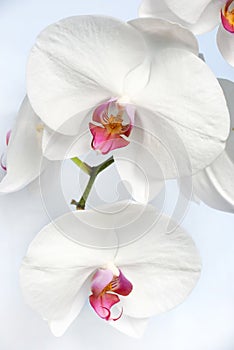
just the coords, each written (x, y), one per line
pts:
(82, 165)
(93, 172)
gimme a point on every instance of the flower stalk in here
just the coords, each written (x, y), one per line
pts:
(93, 172)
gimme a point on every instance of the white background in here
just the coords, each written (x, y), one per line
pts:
(205, 321)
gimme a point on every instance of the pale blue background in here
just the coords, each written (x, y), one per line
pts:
(205, 321)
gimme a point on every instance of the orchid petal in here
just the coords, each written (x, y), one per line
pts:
(214, 185)
(191, 102)
(189, 12)
(208, 19)
(163, 268)
(77, 64)
(58, 327)
(55, 270)
(133, 327)
(57, 146)
(24, 154)
(162, 34)
(225, 42)
(138, 165)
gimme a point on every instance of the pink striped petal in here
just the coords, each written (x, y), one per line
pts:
(101, 110)
(100, 280)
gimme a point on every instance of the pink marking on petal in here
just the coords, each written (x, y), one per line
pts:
(100, 280)
(105, 142)
(103, 303)
(8, 135)
(1, 163)
(102, 110)
(121, 285)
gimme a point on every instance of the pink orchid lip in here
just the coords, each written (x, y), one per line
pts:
(110, 132)
(227, 17)
(105, 289)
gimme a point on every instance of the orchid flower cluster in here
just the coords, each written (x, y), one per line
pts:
(125, 90)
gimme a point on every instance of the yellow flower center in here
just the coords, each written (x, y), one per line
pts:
(114, 125)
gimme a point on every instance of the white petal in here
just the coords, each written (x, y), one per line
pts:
(79, 62)
(225, 42)
(214, 185)
(208, 19)
(162, 34)
(59, 327)
(163, 268)
(57, 146)
(139, 167)
(133, 327)
(158, 9)
(55, 273)
(186, 96)
(24, 154)
(188, 11)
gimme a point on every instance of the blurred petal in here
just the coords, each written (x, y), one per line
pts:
(79, 62)
(188, 11)
(24, 154)
(162, 34)
(208, 19)
(225, 42)
(214, 185)
(191, 102)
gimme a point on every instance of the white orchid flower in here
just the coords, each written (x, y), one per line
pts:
(24, 151)
(126, 84)
(119, 255)
(199, 16)
(214, 185)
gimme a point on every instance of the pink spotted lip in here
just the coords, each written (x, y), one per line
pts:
(105, 289)
(227, 16)
(111, 132)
